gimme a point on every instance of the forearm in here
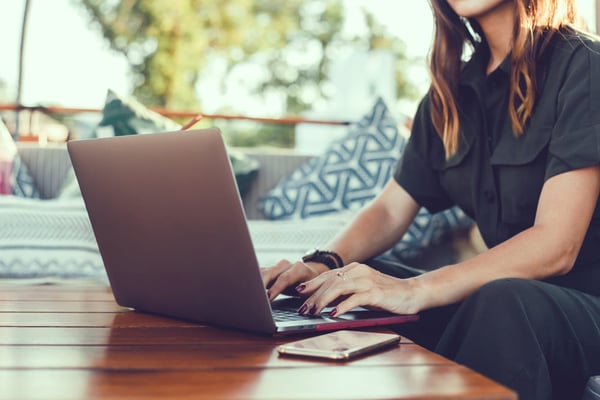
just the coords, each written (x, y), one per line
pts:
(536, 253)
(550, 247)
(377, 227)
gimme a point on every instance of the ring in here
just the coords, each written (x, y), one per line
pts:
(341, 275)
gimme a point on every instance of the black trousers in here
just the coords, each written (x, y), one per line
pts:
(539, 339)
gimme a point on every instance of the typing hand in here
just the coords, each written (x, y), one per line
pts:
(358, 285)
(285, 276)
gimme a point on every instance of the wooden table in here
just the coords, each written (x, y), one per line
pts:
(74, 342)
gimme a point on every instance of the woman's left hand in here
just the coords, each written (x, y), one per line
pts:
(360, 285)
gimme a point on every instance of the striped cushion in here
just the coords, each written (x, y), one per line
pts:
(46, 239)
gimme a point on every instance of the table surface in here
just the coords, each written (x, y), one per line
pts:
(74, 342)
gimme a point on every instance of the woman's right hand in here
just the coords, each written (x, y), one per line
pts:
(287, 275)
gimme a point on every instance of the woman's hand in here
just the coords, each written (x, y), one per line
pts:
(286, 275)
(360, 285)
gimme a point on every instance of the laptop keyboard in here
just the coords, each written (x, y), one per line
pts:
(280, 315)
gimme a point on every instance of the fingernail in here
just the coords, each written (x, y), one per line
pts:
(302, 309)
(333, 312)
(300, 288)
(313, 309)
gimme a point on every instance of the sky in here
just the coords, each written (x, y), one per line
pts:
(68, 63)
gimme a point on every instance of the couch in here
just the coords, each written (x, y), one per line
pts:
(50, 238)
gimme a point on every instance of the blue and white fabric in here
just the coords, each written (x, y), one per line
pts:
(47, 238)
(352, 171)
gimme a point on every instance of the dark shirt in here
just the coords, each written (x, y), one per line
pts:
(495, 176)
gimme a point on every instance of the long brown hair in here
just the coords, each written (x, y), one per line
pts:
(535, 23)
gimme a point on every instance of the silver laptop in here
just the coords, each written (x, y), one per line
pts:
(172, 233)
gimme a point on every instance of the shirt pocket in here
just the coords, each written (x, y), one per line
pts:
(457, 175)
(519, 165)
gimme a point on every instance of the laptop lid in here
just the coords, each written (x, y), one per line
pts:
(172, 232)
(170, 227)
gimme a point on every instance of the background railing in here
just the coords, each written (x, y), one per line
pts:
(190, 118)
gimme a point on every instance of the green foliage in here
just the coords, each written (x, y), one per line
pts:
(168, 41)
(273, 135)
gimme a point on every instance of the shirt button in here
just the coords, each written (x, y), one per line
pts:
(489, 195)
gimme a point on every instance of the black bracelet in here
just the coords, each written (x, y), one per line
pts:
(327, 257)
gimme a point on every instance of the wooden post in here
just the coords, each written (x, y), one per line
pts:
(597, 12)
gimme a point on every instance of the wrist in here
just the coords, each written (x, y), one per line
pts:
(330, 259)
(317, 267)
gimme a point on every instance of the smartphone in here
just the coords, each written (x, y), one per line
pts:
(340, 345)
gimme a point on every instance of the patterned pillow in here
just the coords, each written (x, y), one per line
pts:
(350, 173)
(12, 169)
(127, 116)
(47, 239)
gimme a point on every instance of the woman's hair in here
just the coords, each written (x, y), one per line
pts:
(536, 21)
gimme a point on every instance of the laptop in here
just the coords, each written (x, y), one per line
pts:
(172, 233)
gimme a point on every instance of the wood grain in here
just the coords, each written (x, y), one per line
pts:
(76, 343)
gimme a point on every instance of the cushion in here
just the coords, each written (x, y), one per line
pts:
(47, 239)
(127, 116)
(592, 389)
(351, 172)
(14, 176)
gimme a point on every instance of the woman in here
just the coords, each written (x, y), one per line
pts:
(512, 136)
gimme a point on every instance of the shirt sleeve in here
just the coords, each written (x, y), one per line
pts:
(414, 171)
(575, 141)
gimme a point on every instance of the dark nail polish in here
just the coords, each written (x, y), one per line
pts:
(333, 312)
(313, 309)
(303, 309)
(300, 288)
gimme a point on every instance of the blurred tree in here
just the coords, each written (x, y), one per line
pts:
(167, 44)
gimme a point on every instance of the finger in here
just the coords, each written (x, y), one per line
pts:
(296, 273)
(269, 274)
(360, 299)
(355, 269)
(310, 286)
(332, 289)
(339, 291)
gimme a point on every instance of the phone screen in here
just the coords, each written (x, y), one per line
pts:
(339, 345)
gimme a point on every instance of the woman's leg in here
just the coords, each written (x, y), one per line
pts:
(541, 340)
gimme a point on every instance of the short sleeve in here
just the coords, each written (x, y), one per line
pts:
(575, 141)
(414, 171)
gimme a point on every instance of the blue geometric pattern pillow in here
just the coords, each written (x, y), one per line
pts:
(350, 173)
(429, 229)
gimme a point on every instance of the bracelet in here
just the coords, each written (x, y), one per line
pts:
(327, 257)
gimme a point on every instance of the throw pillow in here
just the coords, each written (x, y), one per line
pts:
(14, 176)
(127, 116)
(352, 171)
